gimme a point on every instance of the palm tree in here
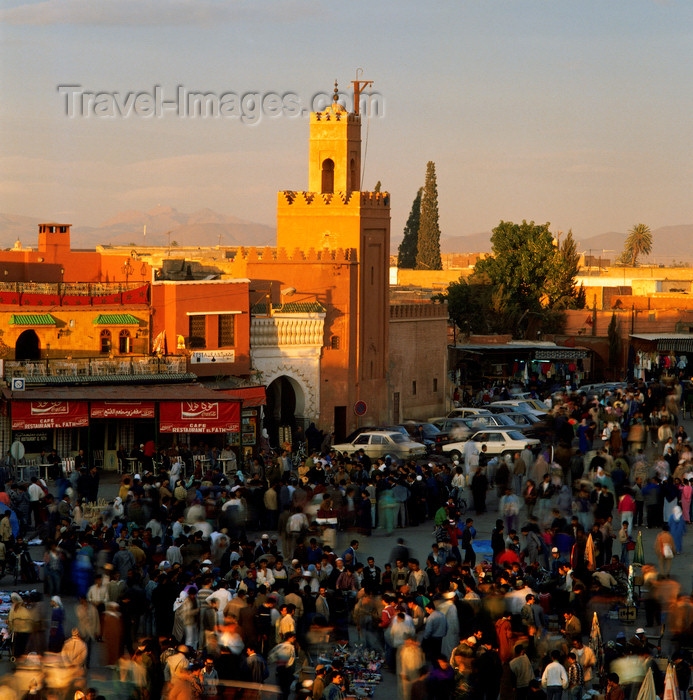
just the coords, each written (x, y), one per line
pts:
(638, 242)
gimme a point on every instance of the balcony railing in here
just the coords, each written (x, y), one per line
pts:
(70, 288)
(95, 366)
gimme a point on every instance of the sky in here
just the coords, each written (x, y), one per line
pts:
(576, 112)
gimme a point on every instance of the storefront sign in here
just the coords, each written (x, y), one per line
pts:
(207, 356)
(122, 409)
(32, 438)
(199, 416)
(37, 415)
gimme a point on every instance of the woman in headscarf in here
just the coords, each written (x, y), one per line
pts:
(118, 508)
(56, 634)
(677, 527)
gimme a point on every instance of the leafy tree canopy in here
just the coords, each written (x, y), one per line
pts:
(527, 273)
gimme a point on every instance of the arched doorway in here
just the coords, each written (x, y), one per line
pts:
(285, 404)
(28, 346)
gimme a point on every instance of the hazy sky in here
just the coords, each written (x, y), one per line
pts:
(577, 112)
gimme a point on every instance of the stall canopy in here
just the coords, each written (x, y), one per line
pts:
(667, 342)
(252, 395)
(34, 415)
(200, 417)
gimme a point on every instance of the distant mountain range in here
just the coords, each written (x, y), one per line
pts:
(199, 228)
(209, 228)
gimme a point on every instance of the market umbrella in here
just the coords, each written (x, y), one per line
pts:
(639, 553)
(596, 643)
(671, 686)
(647, 689)
(590, 554)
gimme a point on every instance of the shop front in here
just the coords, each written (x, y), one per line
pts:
(101, 419)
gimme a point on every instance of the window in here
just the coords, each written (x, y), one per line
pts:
(328, 176)
(378, 440)
(226, 330)
(124, 342)
(105, 341)
(435, 384)
(196, 334)
(334, 342)
(362, 439)
(413, 388)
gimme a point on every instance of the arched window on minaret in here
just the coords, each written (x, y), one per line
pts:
(328, 176)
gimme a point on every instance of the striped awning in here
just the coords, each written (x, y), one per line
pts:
(116, 320)
(668, 342)
(32, 320)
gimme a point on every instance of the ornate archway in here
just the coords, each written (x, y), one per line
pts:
(285, 407)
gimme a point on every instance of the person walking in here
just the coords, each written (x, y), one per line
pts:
(554, 679)
(665, 548)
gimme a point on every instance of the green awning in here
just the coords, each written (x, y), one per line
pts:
(32, 320)
(116, 320)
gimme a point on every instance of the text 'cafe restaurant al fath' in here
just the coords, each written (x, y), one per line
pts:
(100, 419)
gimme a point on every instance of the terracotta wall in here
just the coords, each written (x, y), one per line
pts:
(171, 302)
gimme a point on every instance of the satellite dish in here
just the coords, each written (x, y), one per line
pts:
(17, 450)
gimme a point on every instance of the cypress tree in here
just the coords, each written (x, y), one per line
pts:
(408, 247)
(428, 248)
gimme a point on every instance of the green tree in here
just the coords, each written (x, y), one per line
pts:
(428, 244)
(521, 263)
(561, 291)
(406, 257)
(638, 242)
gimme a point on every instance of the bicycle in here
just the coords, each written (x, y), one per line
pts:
(299, 455)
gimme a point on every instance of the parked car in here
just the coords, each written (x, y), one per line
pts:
(378, 443)
(462, 412)
(375, 428)
(528, 405)
(498, 442)
(453, 429)
(431, 435)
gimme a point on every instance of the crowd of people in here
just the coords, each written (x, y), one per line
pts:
(190, 580)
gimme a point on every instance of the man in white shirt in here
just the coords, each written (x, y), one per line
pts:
(36, 494)
(554, 679)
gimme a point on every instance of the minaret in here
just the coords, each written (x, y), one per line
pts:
(334, 152)
(336, 214)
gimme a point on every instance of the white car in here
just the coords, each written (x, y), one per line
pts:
(379, 443)
(462, 412)
(498, 442)
(538, 408)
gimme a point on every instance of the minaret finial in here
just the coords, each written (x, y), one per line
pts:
(335, 97)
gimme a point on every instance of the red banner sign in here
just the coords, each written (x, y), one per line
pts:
(122, 409)
(35, 415)
(200, 417)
